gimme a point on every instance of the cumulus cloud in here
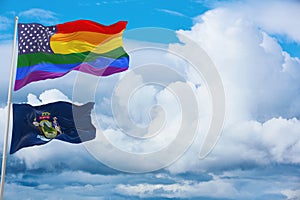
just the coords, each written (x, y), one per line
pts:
(261, 93)
(247, 145)
(270, 15)
(48, 96)
(273, 17)
(251, 64)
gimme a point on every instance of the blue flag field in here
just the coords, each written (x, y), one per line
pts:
(37, 125)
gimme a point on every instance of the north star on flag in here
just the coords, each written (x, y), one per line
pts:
(37, 125)
(48, 52)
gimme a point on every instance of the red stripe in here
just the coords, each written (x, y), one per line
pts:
(87, 25)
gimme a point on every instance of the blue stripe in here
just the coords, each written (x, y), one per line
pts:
(101, 62)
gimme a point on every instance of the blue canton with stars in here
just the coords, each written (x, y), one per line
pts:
(35, 38)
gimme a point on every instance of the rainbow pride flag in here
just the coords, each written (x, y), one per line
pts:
(48, 52)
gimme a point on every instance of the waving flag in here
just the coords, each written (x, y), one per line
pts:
(47, 52)
(37, 125)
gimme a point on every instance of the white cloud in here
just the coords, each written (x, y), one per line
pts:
(142, 149)
(171, 12)
(6, 52)
(53, 95)
(262, 94)
(245, 145)
(43, 16)
(291, 66)
(6, 37)
(276, 17)
(3, 116)
(65, 185)
(110, 2)
(184, 189)
(133, 102)
(5, 23)
(251, 64)
(291, 194)
(160, 128)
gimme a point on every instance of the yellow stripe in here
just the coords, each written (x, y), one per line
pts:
(85, 36)
(76, 46)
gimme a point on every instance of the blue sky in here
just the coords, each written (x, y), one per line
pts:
(138, 13)
(255, 47)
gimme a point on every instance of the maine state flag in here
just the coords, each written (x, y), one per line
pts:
(37, 125)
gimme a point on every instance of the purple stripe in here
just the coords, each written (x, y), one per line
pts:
(86, 68)
(42, 75)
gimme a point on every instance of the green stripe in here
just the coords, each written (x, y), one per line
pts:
(25, 60)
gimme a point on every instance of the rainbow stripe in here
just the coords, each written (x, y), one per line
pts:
(47, 52)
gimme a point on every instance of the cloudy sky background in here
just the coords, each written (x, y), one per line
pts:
(256, 49)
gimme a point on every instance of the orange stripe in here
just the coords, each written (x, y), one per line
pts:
(84, 36)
